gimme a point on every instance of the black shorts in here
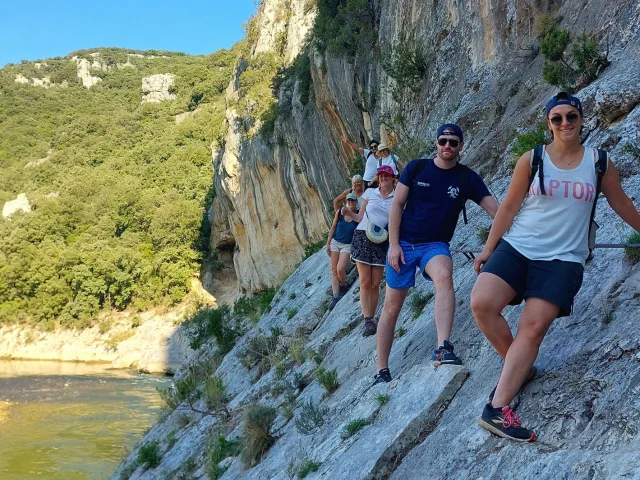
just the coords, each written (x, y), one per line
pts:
(556, 281)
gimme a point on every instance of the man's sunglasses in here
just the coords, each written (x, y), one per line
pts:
(572, 118)
(373, 146)
(443, 141)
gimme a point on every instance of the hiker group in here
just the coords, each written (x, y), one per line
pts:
(402, 219)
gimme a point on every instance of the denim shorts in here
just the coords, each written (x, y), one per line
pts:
(556, 281)
(415, 256)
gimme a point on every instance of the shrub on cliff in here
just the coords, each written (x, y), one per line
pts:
(633, 253)
(527, 141)
(571, 68)
(406, 62)
(257, 436)
(149, 455)
(219, 323)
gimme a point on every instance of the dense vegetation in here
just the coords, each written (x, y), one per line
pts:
(344, 26)
(129, 225)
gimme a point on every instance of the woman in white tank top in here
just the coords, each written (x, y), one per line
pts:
(536, 251)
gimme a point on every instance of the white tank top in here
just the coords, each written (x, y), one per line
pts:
(555, 226)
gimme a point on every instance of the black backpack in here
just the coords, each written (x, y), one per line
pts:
(423, 162)
(601, 169)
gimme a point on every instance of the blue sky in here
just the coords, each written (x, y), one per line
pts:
(40, 29)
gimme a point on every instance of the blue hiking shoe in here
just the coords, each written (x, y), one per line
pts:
(444, 356)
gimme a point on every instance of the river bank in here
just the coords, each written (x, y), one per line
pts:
(150, 342)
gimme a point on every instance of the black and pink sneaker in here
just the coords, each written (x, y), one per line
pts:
(504, 423)
(370, 327)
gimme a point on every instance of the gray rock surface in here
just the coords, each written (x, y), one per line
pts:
(20, 204)
(84, 67)
(156, 88)
(583, 402)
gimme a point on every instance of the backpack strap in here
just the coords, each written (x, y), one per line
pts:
(417, 169)
(393, 159)
(601, 165)
(421, 163)
(463, 183)
(536, 167)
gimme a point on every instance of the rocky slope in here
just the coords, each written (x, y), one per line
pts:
(272, 200)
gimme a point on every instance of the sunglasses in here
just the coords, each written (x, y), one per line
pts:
(373, 146)
(572, 118)
(443, 141)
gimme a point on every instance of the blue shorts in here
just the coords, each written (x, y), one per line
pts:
(415, 256)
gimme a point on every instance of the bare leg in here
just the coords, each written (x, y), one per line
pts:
(364, 272)
(489, 296)
(376, 278)
(440, 269)
(342, 267)
(537, 317)
(393, 302)
(335, 282)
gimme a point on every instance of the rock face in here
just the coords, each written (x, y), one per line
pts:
(40, 161)
(280, 20)
(20, 204)
(44, 82)
(156, 88)
(84, 71)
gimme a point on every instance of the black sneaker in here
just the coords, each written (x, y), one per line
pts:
(370, 327)
(444, 356)
(504, 423)
(333, 303)
(383, 376)
(530, 376)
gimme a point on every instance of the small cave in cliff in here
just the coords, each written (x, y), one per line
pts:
(218, 274)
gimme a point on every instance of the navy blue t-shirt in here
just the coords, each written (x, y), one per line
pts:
(435, 201)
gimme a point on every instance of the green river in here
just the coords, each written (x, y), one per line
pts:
(71, 420)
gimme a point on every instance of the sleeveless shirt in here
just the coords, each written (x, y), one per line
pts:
(344, 230)
(555, 226)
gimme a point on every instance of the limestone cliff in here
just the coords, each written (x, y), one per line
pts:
(484, 72)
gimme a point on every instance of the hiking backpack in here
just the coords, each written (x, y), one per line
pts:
(422, 162)
(600, 167)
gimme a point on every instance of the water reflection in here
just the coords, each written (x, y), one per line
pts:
(71, 421)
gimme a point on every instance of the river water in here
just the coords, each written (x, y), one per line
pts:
(68, 421)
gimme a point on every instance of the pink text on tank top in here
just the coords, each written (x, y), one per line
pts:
(564, 188)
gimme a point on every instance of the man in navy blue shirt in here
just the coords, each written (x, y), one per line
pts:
(429, 198)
